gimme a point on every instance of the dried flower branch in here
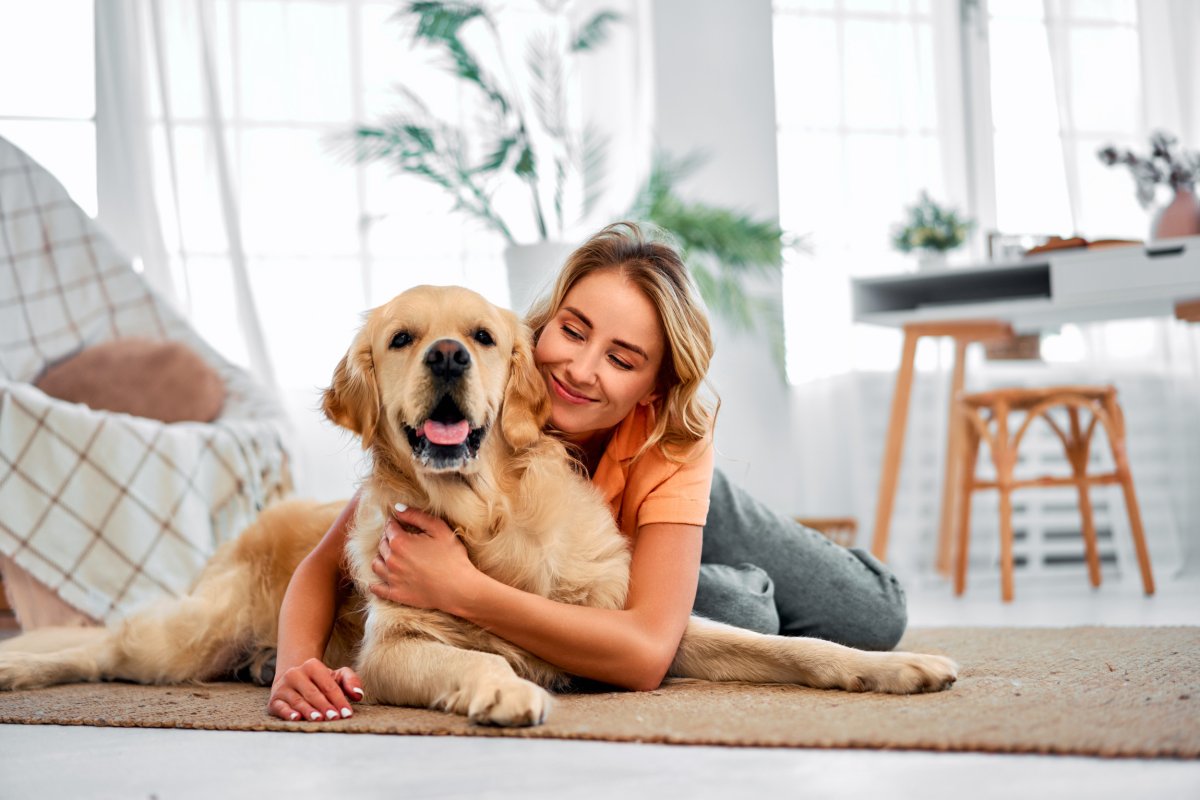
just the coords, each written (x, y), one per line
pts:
(1166, 164)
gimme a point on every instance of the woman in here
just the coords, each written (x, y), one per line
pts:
(624, 347)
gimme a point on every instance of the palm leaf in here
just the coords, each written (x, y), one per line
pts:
(593, 32)
(593, 161)
(526, 167)
(722, 248)
(441, 21)
(498, 156)
(547, 84)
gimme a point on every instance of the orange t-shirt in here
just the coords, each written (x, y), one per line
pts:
(653, 488)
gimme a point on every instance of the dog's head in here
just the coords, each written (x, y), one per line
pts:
(433, 373)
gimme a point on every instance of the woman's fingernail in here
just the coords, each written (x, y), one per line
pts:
(316, 715)
(400, 507)
(331, 714)
(358, 692)
(346, 712)
(295, 716)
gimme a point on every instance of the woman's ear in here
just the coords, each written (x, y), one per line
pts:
(352, 399)
(526, 406)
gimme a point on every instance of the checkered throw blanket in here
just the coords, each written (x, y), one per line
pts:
(108, 510)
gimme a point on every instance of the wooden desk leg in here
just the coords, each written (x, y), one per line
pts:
(890, 469)
(954, 456)
(1188, 310)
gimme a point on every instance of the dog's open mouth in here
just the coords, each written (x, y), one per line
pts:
(445, 440)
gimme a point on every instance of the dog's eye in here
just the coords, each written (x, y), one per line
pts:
(401, 339)
(484, 338)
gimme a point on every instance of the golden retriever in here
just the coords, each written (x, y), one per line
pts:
(441, 387)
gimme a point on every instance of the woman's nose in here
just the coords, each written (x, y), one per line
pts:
(582, 369)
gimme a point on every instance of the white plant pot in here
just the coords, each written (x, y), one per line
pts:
(931, 261)
(532, 269)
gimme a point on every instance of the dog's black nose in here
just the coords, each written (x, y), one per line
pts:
(447, 359)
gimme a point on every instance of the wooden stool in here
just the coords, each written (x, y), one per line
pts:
(993, 428)
(839, 530)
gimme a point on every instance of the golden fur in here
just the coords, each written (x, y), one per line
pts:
(509, 491)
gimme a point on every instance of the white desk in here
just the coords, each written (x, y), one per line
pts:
(991, 301)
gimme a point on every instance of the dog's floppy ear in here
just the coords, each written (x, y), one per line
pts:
(352, 400)
(526, 406)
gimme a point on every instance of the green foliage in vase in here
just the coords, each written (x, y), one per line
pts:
(931, 227)
(539, 150)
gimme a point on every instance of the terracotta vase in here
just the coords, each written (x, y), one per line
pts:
(1181, 217)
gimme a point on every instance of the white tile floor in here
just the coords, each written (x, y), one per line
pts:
(74, 762)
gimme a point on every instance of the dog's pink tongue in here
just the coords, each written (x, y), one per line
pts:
(441, 433)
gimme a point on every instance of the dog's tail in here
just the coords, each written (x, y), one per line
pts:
(52, 640)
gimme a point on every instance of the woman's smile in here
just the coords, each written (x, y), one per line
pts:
(568, 394)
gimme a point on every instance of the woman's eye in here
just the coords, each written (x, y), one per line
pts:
(571, 333)
(484, 338)
(619, 363)
(400, 340)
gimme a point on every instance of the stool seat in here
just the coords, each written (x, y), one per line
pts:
(1021, 398)
(984, 418)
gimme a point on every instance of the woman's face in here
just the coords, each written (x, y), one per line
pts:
(600, 354)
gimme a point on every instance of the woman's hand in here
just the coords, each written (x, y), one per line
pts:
(422, 563)
(314, 692)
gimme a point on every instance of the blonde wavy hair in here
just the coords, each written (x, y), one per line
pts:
(651, 263)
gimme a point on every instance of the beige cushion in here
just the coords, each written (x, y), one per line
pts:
(166, 381)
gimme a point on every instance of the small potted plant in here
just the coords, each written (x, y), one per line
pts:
(931, 231)
(1168, 166)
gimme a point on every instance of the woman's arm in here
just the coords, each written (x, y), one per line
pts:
(304, 688)
(632, 647)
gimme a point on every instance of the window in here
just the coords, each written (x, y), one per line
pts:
(860, 134)
(340, 237)
(1055, 82)
(995, 107)
(48, 95)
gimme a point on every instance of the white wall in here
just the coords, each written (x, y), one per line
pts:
(714, 92)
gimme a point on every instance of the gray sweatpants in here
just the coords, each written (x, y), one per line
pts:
(765, 572)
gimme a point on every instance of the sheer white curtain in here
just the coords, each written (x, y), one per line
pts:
(132, 39)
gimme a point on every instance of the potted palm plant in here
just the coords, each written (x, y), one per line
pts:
(520, 138)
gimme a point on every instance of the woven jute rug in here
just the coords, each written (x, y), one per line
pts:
(1086, 691)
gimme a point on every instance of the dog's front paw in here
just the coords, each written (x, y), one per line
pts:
(20, 671)
(509, 703)
(904, 673)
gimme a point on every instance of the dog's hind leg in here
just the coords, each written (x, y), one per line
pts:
(428, 674)
(227, 621)
(194, 638)
(717, 652)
